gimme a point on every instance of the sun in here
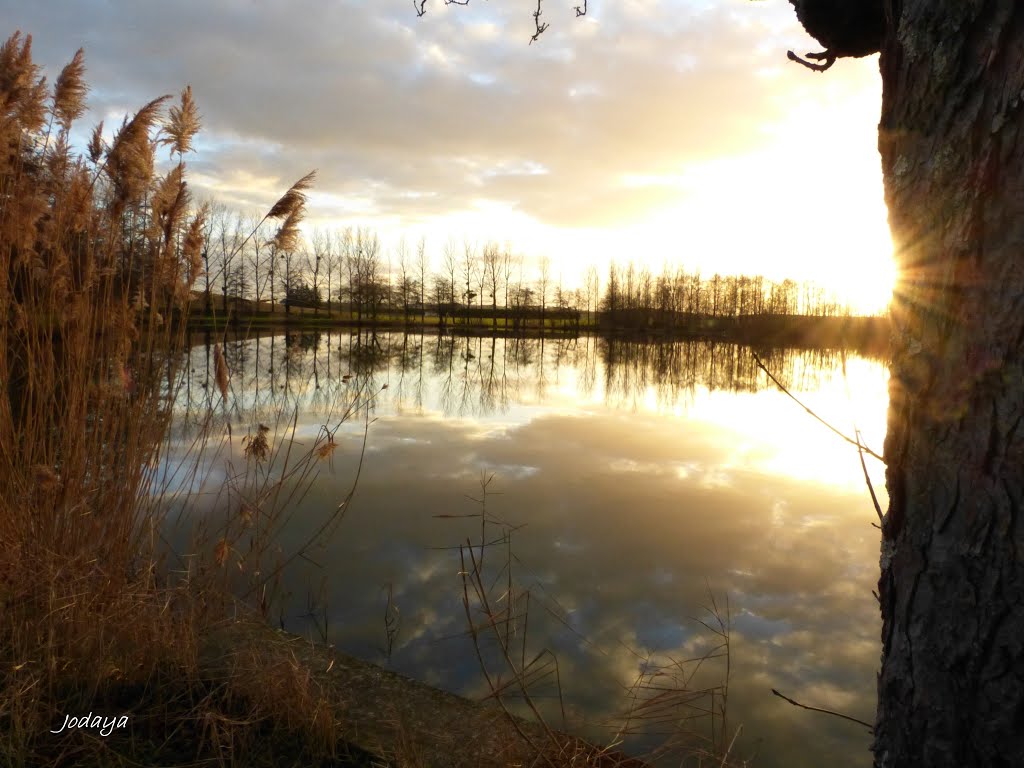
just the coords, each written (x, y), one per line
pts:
(806, 202)
(751, 215)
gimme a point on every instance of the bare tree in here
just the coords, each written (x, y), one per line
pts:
(350, 264)
(544, 285)
(406, 288)
(257, 254)
(590, 290)
(331, 263)
(226, 242)
(468, 266)
(211, 267)
(507, 267)
(492, 274)
(450, 267)
(316, 261)
(421, 271)
(442, 290)
(271, 276)
(288, 274)
(372, 288)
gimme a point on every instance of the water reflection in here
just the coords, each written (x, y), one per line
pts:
(643, 475)
(473, 376)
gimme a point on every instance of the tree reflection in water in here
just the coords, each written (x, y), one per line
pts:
(641, 471)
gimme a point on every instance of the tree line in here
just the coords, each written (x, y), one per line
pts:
(348, 273)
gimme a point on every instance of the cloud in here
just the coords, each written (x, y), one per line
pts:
(406, 111)
(617, 545)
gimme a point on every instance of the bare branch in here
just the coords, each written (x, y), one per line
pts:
(825, 711)
(827, 56)
(420, 6)
(581, 10)
(536, 20)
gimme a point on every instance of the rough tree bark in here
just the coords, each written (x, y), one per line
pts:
(951, 137)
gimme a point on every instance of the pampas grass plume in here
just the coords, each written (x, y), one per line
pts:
(69, 93)
(183, 124)
(130, 159)
(294, 198)
(96, 143)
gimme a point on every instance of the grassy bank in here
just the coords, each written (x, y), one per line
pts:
(98, 253)
(865, 334)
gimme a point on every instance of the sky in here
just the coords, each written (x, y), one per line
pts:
(672, 132)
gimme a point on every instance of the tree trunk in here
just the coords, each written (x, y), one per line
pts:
(951, 687)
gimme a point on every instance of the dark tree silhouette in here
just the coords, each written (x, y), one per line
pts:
(951, 138)
(844, 27)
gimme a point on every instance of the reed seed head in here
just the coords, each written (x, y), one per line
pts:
(257, 446)
(294, 198)
(69, 92)
(182, 125)
(326, 450)
(130, 159)
(192, 248)
(96, 143)
(220, 370)
(288, 236)
(22, 90)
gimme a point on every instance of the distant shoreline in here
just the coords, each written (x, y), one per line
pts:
(866, 335)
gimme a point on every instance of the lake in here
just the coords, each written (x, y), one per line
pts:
(630, 487)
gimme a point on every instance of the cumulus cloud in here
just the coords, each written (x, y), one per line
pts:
(426, 116)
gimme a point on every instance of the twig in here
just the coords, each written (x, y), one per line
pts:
(474, 576)
(796, 400)
(860, 451)
(536, 21)
(827, 56)
(867, 479)
(732, 743)
(825, 711)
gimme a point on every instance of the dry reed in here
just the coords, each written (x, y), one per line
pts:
(682, 702)
(98, 257)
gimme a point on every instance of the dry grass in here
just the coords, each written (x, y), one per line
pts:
(90, 281)
(98, 257)
(682, 701)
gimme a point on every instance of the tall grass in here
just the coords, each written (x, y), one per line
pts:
(99, 252)
(682, 701)
(96, 255)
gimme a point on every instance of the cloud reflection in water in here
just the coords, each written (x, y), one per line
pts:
(638, 492)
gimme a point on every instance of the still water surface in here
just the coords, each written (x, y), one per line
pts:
(640, 481)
